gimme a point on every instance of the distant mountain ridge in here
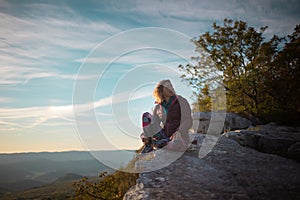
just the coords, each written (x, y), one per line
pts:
(62, 188)
(19, 171)
(6, 158)
(69, 177)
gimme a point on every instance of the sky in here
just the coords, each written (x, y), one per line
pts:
(77, 75)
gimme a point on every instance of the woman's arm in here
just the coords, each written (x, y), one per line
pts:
(186, 117)
(158, 115)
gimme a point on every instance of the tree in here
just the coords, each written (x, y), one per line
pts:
(248, 67)
(109, 186)
(233, 48)
(282, 80)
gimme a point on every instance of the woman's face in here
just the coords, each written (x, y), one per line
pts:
(164, 92)
(167, 92)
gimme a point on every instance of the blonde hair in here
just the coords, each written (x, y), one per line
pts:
(158, 92)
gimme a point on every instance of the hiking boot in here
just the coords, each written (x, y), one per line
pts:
(159, 144)
(148, 148)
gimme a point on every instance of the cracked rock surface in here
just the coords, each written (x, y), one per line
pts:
(228, 171)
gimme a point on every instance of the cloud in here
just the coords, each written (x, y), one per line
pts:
(6, 100)
(129, 59)
(195, 17)
(46, 33)
(45, 38)
(61, 29)
(142, 47)
(190, 11)
(21, 75)
(30, 117)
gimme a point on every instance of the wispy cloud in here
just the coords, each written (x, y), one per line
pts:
(6, 100)
(31, 117)
(21, 75)
(138, 50)
(134, 58)
(195, 17)
(62, 29)
(32, 44)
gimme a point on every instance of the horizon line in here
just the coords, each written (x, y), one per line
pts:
(65, 151)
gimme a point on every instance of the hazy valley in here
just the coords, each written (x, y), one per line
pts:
(48, 175)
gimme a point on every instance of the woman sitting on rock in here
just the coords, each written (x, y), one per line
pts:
(170, 122)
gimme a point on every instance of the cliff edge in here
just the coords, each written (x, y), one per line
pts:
(233, 169)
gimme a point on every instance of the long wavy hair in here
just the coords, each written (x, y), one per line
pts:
(158, 92)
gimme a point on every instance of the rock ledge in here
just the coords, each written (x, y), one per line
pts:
(229, 171)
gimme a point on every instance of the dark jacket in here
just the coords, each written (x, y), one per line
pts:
(178, 117)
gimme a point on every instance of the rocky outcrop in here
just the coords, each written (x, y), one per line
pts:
(270, 138)
(229, 121)
(229, 171)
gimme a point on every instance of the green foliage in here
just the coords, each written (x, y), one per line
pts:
(108, 187)
(282, 82)
(260, 79)
(205, 99)
(112, 186)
